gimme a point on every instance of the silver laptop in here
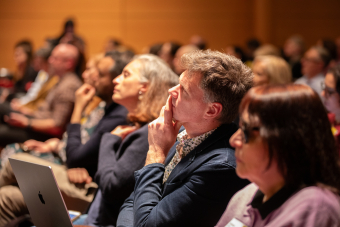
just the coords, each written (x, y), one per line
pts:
(41, 194)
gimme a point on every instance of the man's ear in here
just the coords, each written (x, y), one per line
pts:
(214, 110)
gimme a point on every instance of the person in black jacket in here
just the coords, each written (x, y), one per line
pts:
(142, 90)
(189, 182)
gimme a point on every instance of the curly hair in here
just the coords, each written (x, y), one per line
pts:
(225, 79)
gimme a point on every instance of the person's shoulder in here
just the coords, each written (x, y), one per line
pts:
(245, 195)
(312, 206)
(301, 80)
(115, 110)
(71, 80)
(317, 197)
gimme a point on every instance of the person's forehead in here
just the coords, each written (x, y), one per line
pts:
(133, 66)
(312, 53)
(105, 64)
(191, 81)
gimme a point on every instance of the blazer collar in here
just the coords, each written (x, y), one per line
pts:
(222, 132)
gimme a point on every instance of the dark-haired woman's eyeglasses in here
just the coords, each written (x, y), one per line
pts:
(328, 91)
(246, 132)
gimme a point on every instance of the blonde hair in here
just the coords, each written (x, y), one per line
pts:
(276, 69)
(160, 79)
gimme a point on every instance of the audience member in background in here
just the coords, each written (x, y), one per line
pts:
(331, 100)
(53, 114)
(293, 50)
(168, 52)
(40, 64)
(112, 45)
(295, 173)
(199, 42)
(236, 52)
(178, 68)
(54, 150)
(68, 36)
(267, 49)
(337, 42)
(82, 151)
(331, 47)
(189, 182)
(271, 70)
(252, 45)
(142, 89)
(154, 49)
(24, 74)
(314, 64)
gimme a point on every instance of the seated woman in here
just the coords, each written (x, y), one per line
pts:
(286, 148)
(269, 69)
(143, 89)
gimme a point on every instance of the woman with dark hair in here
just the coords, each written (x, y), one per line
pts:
(286, 148)
(331, 99)
(25, 74)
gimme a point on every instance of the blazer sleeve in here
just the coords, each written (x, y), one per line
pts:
(197, 201)
(117, 164)
(82, 155)
(125, 217)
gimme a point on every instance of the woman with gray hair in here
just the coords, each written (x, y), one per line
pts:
(142, 89)
(271, 70)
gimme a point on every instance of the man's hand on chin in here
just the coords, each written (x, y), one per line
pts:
(162, 134)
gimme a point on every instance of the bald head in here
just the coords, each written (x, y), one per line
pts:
(180, 52)
(63, 59)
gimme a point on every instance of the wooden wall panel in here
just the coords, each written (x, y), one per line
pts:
(139, 23)
(311, 19)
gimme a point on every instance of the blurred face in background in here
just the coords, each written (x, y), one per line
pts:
(20, 56)
(291, 49)
(331, 98)
(312, 64)
(90, 75)
(103, 84)
(260, 75)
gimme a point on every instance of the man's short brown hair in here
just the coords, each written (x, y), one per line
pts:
(225, 79)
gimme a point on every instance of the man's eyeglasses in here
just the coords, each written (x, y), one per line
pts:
(328, 91)
(246, 132)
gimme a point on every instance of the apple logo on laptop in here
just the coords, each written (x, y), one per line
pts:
(41, 198)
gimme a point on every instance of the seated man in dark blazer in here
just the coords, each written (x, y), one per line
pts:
(189, 182)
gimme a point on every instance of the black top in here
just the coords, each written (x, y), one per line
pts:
(273, 202)
(86, 155)
(118, 159)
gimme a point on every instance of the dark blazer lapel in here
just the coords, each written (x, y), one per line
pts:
(222, 132)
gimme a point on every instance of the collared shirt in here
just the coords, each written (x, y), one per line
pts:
(314, 83)
(33, 92)
(273, 203)
(183, 148)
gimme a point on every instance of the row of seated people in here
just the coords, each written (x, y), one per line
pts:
(176, 165)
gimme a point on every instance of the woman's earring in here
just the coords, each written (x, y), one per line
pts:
(140, 95)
